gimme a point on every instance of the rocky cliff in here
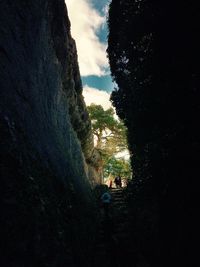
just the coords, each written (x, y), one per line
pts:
(46, 144)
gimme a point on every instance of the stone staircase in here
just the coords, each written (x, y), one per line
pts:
(113, 244)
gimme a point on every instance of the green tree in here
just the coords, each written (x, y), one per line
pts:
(110, 133)
(111, 139)
(114, 167)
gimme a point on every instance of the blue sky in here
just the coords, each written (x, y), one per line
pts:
(102, 83)
(89, 29)
(101, 6)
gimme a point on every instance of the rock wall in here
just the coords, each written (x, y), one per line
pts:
(47, 215)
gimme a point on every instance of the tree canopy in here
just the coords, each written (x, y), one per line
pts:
(115, 166)
(153, 51)
(110, 133)
(110, 136)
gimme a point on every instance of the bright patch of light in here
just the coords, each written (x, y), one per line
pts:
(98, 97)
(123, 155)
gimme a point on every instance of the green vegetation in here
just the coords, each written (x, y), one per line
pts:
(114, 166)
(110, 137)
(153, 51)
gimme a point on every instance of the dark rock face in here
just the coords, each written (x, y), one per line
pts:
(154, 58)
(47, 217)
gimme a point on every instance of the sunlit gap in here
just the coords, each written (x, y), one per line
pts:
(108, 130)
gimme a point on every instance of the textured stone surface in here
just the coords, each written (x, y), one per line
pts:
(46, 216)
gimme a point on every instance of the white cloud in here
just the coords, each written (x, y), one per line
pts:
(85, 23)
(93, 95)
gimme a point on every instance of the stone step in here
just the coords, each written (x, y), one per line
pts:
(118, 199)
(117, 193)
(119, 203)
(117, 234)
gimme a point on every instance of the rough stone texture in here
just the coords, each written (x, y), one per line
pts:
(94, 168)
(47, 217)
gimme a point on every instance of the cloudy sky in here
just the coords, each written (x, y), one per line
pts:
(89, 29)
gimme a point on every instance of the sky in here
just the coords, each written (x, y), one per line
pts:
(89, 29)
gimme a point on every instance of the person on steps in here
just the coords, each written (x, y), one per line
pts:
(106, 201)
(118, 182)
